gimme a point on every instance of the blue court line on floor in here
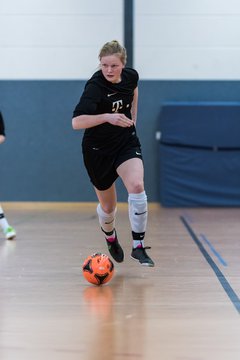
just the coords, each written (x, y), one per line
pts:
(188, 217)
(223, 281)
(214, 251)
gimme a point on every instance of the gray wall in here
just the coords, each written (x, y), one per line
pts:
(41, 159)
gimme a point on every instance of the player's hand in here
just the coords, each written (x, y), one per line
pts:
(2, 139)
(119, 120)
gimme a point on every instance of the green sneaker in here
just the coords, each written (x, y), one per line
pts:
(10, 233)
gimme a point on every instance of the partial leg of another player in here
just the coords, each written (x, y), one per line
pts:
(8, 230)
(106, 211)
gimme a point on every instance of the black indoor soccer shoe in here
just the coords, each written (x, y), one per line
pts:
(115, 250)
(139, 254)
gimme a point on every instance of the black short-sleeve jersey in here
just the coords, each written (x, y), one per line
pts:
(2, 129)
(101, 96)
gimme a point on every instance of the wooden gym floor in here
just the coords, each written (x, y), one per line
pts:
(186, 308)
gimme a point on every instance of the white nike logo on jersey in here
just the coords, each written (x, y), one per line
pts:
(137, 153)
(111, 94)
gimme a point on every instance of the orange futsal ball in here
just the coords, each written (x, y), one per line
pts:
(98, 269)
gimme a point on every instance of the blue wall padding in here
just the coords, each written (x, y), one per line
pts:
(41, 159)
(201, 125)
(200, 155)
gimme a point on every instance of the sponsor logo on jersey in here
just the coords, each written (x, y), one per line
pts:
(117, 105)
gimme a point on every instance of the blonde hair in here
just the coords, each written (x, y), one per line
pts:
(113, 48)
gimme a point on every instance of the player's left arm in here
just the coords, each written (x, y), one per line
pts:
(134, 105)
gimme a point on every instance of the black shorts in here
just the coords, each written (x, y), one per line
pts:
(101, 164)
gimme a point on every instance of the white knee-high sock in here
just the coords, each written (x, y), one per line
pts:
(106, 221)
(3, 221)
(138, 214)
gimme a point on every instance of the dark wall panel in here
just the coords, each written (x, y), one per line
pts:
(41, 158)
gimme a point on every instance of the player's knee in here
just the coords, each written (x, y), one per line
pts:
(108, 209)
(136, 187)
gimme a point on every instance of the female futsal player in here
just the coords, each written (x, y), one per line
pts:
(8, 230)
(107, 110)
